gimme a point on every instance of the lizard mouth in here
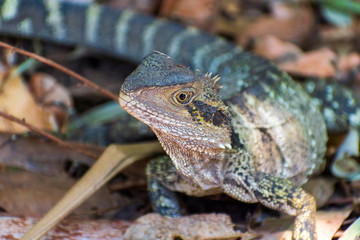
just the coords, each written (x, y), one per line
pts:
(124, 100)
(135, 109)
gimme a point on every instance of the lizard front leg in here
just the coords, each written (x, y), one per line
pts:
(242, 182)
(164, 180)
(161, 174)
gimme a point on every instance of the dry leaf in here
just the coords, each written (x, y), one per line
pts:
(200, 13)
(327, 223)
(321, 189)
(275, 49)
(232, 19)
(319, 63)
(323, 63)
(54, 97)
(32, 195)
(348, 63)
(16, 100)
(204, 226)
(276, 228)
(292, 24)
(70, 229)
(42, 156)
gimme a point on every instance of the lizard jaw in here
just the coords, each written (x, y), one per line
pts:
(123, 100)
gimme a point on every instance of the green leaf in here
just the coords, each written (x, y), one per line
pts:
(343, 5)
(339, 18)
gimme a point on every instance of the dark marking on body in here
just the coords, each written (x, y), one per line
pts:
(246, 180)
(235, 140)
(274, 188)
(219, 118)
(208, 113)
(265, 136)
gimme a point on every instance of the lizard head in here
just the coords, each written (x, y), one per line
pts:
(182, 107)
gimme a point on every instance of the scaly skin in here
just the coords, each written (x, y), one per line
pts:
(197, 131)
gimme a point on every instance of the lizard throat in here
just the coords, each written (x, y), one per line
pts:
(195, 156)
(205, 170)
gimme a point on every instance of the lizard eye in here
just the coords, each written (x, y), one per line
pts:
(183, 97)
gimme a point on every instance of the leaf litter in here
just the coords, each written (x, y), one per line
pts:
(281, 32)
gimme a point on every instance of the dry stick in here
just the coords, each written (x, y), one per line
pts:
(61, 68)
(46, 134)
(67, 71)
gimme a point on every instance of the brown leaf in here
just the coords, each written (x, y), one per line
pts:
(292, 24)
(275, 49)
(52, 96)
(319, 63)
(27, 194)
(232, 18)
(204, 226)
(349, 63)
(41, 156)
(321, 189)
(327, 223)
(200, 13)
(70, 229)
(16, 100)
(275, 228)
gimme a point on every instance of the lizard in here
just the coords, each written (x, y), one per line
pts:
(237, 148)
(265, 127)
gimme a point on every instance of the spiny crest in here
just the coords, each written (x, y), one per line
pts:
(214, 80)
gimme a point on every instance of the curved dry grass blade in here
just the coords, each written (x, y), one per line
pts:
(114, 159)
(352, 232)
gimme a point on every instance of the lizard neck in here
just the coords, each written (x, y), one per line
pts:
(204, 169)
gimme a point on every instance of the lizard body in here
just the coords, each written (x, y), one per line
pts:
(257, 138)
(214, 147)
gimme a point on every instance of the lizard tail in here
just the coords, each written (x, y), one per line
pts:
(339, 104)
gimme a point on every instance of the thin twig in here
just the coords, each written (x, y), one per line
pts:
(46, 134)
(61, 68)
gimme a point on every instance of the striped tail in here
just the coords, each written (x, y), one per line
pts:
(340, 105)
